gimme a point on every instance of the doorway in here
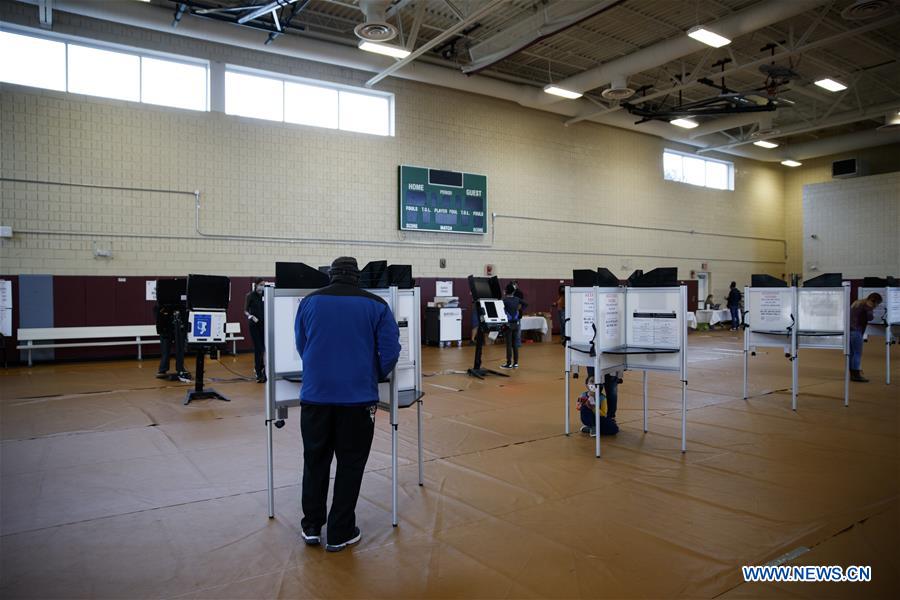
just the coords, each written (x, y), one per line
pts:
(702, 287)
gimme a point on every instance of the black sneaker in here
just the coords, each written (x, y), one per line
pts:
(185, 377)
(506, 366)
(162, 375)
(312, 537)
(357, 535)
(516, 366)
(261, 378)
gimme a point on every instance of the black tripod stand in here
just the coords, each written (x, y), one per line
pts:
(198, 393)
(476, 370)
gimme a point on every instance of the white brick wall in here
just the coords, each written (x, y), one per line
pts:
(857, 226)
(273, 180)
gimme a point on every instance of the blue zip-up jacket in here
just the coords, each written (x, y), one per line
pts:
(348, 339)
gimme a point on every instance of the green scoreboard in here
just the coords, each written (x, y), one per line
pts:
(436, 200)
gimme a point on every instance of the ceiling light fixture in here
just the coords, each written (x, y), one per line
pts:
(384, 49)
(684, 123)
(562, 93)
(708, 37)
(765, 144)
(831, 85)
(791, 163)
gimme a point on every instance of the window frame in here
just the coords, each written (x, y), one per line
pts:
(339, 87)
(113, 47)
(728, 165)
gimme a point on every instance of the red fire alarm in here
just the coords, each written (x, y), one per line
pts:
(488, 270)
(704, 266)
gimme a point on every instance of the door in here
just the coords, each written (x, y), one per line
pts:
(702, 287)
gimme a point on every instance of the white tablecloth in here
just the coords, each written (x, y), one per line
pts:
(712, 317)
(692, 320)
(535, 323)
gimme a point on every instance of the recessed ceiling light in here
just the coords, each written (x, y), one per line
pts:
(765, 144)
(685, 123)
(384, 49)
(562, 93)
(708, 37)
(791, 163)
(831, 85)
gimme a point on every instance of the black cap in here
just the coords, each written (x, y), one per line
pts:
(344, 270)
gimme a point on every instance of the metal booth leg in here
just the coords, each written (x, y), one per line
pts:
(419, 418)
(645, 401)
(846, 380)
(746, 367)
(568, 391)
(795, 378)
(270, 468)
(394, 520)
(683, 417)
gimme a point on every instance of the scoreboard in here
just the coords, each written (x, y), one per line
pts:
(448, 201)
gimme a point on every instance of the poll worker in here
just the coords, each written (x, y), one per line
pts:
(517, 292)
(348, 340)
(734, 305)
(861, 313)
(255, 313)
(709, 303)
(513, 306)
(171, 325)
(560, 306)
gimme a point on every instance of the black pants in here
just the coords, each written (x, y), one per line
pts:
(512, 350)
(328, 431)
(165, 347)
(259, 347)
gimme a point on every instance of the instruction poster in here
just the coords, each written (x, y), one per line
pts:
(6, 306)
(151, 290)
(770, 307)
(821, 310)
(443, 288)
(404, 342)
(655, 329)
(611, 317)
(587, 315)
(893, 304)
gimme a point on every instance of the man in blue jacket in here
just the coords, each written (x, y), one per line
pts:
(348, 340)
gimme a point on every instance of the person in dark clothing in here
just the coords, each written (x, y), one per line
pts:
(517, 292)
(513, 306)
(861, 313)
(348, 340)
(171, 325)
(255, 313)
(734, 305)
(560, 306)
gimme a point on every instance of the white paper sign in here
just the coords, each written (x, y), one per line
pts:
(642, 332)
(654, 331)
(611, 318)
(443, 288)
(404, 342)
(587, 315)
(6, 306)
(893, 304)
(770, 307)
(151, 290)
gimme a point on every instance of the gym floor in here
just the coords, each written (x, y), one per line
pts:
(111, 488)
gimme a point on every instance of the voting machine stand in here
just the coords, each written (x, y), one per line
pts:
(885, 319)
(618, 329)
(795, 318)
(285, 371)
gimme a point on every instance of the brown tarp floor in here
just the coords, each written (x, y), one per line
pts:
(112, 489)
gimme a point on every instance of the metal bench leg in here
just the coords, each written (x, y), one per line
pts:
(140, 357)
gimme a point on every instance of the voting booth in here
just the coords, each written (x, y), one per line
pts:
(616, 329)
(816, 316)
(885, 321)
(285, 368)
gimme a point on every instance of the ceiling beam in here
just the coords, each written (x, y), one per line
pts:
(483, 11)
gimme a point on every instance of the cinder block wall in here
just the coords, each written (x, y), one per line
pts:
(857, 226)
(320, 193)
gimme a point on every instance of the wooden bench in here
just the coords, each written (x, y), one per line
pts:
(116, 335)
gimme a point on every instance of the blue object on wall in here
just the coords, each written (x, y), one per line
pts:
(36, 308)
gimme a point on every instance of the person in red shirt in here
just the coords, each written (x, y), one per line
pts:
(861, 313)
